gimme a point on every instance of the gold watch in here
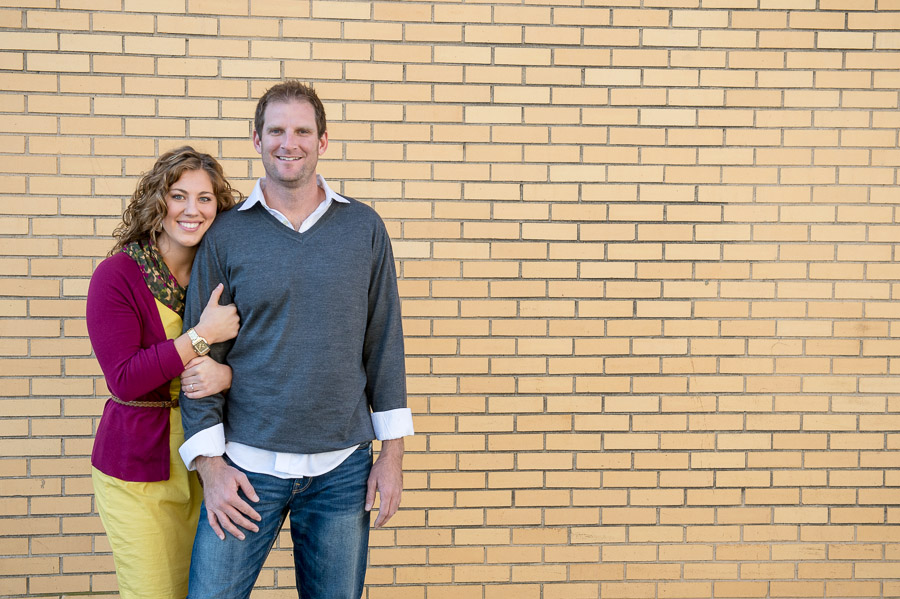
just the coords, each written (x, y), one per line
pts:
(201, 347)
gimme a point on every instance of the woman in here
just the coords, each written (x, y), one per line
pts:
(149, 503)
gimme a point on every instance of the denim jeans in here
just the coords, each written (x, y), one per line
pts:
(329, 528)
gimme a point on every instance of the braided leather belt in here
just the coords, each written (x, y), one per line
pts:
(146, 404)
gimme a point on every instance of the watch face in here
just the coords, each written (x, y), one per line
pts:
(201, 347)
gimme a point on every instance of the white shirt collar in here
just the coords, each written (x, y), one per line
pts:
(256, 197)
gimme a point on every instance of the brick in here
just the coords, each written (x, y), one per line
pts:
(683, 256)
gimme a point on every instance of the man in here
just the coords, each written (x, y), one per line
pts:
(318, 371)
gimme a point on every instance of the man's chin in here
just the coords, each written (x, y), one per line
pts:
(288, 181)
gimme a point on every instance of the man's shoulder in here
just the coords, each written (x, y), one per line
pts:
(359, 211)
(231, 221)
(232, 230)
(235, 213)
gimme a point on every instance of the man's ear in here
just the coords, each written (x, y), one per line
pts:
(257, 142)
(323, 143)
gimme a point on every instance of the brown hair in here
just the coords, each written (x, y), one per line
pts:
(290, 90)
(145, 212)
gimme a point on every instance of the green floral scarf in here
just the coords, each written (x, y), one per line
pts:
(162, 284)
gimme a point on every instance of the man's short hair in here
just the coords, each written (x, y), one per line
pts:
(290, 90)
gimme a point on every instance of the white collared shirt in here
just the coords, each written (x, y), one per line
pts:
(211, 442)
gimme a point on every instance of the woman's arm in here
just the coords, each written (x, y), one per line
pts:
(120, 322)
(119, 325)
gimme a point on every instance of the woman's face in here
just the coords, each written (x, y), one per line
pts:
(190, 210)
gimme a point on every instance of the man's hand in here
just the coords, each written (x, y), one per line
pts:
(387, 478)
(224, 507)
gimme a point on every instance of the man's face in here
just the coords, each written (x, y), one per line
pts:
(289, 144)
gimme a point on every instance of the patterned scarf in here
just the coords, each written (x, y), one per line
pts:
(162, 284)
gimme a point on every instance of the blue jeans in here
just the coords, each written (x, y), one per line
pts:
(329, 527)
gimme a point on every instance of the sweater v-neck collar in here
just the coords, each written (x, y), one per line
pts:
(257, 197)
(288, 229)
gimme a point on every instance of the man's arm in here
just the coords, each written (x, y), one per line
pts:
(386, 477)
(224, 507)
(200, 413)
(203, 416)
(384, 361)
(383, 354)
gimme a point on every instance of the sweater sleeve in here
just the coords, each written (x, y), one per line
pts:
(116, 326)
(205, 412)
(383, 354)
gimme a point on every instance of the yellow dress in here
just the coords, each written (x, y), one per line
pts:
(151, 526)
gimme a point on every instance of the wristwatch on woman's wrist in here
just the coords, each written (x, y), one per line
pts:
(201, 347)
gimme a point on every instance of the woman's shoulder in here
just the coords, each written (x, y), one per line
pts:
(119, 263)
(116, 270)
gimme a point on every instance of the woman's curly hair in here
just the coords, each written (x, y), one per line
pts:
(144, 215)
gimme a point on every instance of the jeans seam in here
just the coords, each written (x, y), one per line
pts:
(295, 491)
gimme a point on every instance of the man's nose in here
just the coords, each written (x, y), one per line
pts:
(290, 140)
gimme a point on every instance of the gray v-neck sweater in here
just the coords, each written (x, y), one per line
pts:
(320, 343)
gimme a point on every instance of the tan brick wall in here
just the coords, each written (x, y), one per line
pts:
(647, 253)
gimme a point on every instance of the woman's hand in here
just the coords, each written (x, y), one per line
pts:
(203, 376)
(218, 323)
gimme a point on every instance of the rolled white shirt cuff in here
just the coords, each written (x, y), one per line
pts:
(393, 424)
(209, 442)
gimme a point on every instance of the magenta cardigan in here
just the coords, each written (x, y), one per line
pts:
(138, 362)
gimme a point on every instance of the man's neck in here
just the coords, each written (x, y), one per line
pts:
(295, 203)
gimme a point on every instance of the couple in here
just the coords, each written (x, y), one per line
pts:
(293, 310)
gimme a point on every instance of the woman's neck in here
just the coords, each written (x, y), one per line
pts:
(179, 260)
